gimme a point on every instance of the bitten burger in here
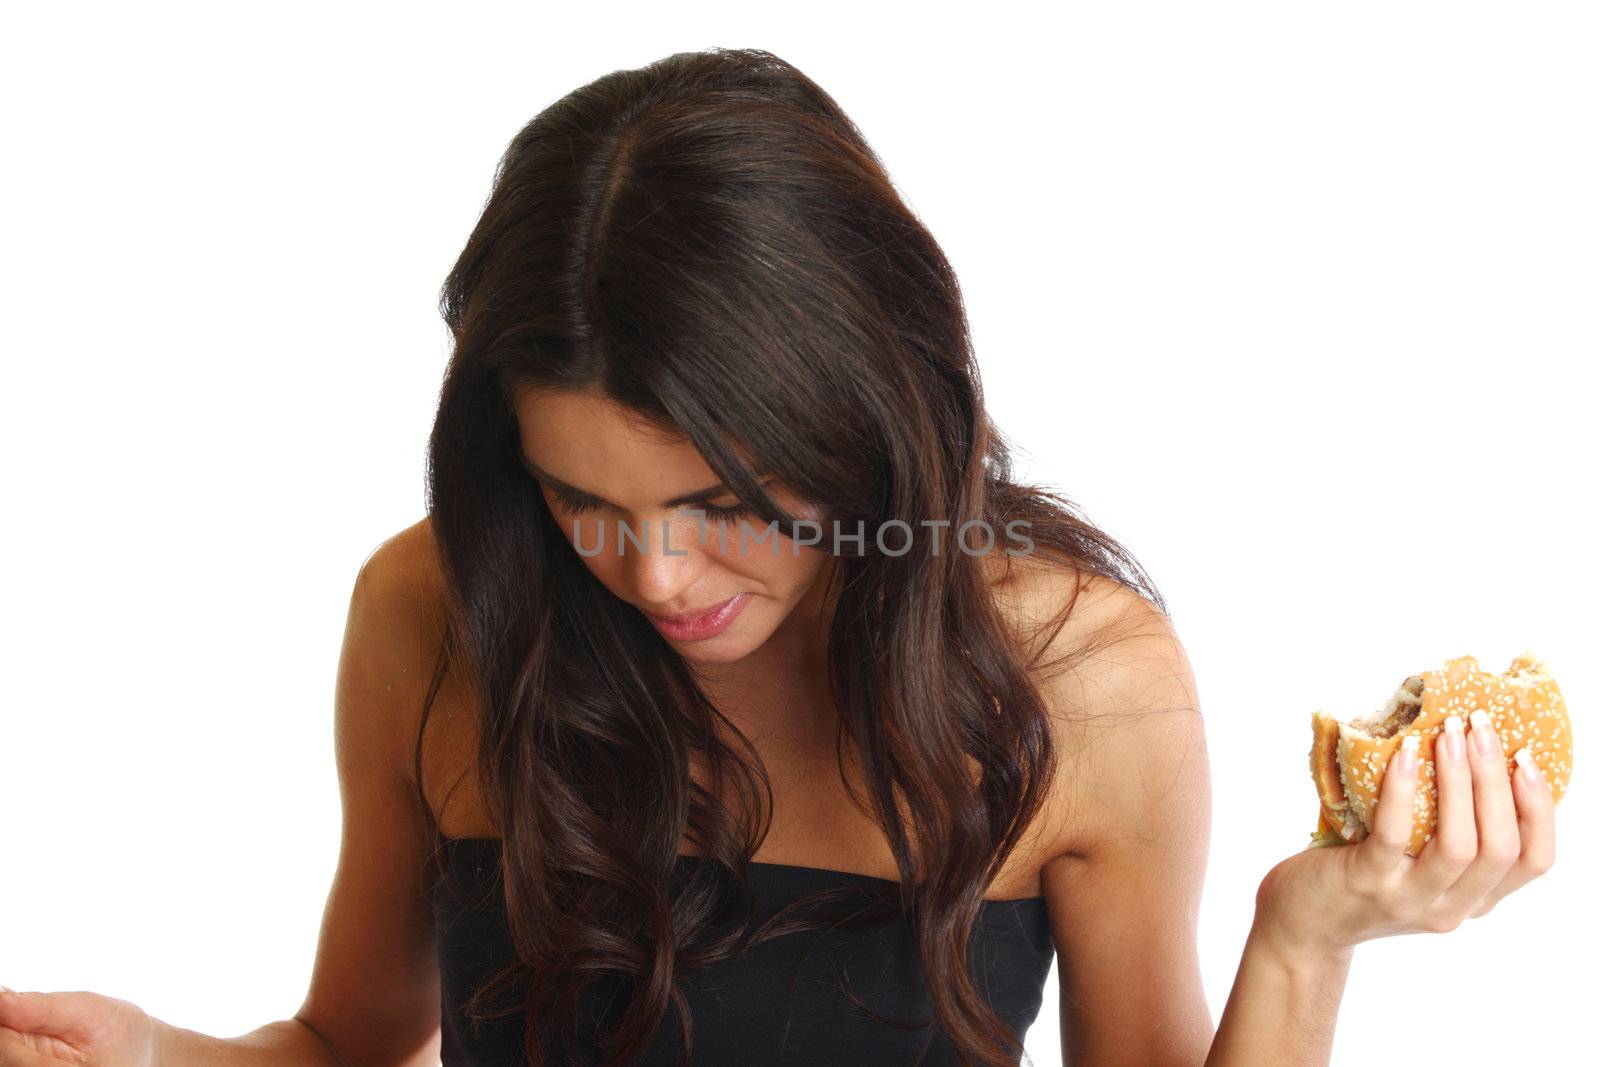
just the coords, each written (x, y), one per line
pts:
(1348, 758)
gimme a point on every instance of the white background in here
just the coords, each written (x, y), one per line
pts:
(1299, 301)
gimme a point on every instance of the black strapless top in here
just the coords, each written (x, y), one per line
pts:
(781, 1002)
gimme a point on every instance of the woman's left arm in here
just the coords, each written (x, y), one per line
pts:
(1495, 834)
(1128, 833)
(1124, 900)
(1283, 1006)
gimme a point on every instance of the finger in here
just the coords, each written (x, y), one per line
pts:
(15, 1051)
(1536, 825)
(1499, 839)
(1383, 852)
(1455, 839)
(58, 1014)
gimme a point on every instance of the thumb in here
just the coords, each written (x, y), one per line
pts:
(60, 1014)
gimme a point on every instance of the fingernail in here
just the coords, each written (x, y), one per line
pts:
(1527, 766)
(1455, 745)
(1406, 760)
(1483, 734)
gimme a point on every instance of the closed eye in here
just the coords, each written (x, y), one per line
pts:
(576, 505)
(583, 505)
(716, 514)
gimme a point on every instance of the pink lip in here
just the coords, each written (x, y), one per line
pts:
(700, 627)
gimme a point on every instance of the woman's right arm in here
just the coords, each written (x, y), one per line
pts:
(374, 991)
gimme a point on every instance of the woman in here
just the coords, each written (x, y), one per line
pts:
(733, 703)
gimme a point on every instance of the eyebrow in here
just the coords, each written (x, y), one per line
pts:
(699, 496)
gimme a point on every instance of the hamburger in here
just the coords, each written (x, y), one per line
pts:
(1348, 759)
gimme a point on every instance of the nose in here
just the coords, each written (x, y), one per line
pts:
(669, 564)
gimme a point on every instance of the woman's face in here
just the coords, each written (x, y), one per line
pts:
(599, 466)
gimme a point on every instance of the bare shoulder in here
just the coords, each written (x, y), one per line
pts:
(391, 617)
(404, 571)
(1124, 839)
(1120, 691)
(404, 589)
(1033, 593)
(398, 614)
(409, 603)
(375, 976)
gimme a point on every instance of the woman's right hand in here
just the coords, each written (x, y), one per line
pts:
(74, 1028)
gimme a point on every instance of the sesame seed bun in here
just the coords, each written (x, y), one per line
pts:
(1348, 759)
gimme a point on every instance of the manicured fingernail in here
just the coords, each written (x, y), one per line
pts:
(1483, 734)
(1406, 758)
(1527, 767)
(1455, 745)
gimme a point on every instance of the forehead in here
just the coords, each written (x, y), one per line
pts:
(590, 441)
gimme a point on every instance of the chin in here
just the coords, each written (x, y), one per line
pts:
(724, 648)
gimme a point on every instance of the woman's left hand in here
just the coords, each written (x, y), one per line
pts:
(1495, 834)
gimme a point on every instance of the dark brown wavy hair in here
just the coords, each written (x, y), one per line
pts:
(710, 241)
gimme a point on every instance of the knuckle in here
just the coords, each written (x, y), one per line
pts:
(1443, 922)
(1500, 854)
(1367, 889)
(1382, 842)
(1391, 908)
(1455, 855)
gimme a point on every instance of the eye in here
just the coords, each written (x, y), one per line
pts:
(576, 505)
(728, 514)
(733, 511)
(582, 505)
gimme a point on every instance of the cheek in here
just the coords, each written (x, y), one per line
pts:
(605, 565)
(782, 571)
(607, 569)
(786, 568)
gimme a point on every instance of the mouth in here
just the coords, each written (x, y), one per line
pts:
(699, 625)
(691, 616)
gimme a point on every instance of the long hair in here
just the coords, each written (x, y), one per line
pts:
(710, 241)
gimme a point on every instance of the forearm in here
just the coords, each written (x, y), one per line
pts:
(287, 1043)
(1282, 1008)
